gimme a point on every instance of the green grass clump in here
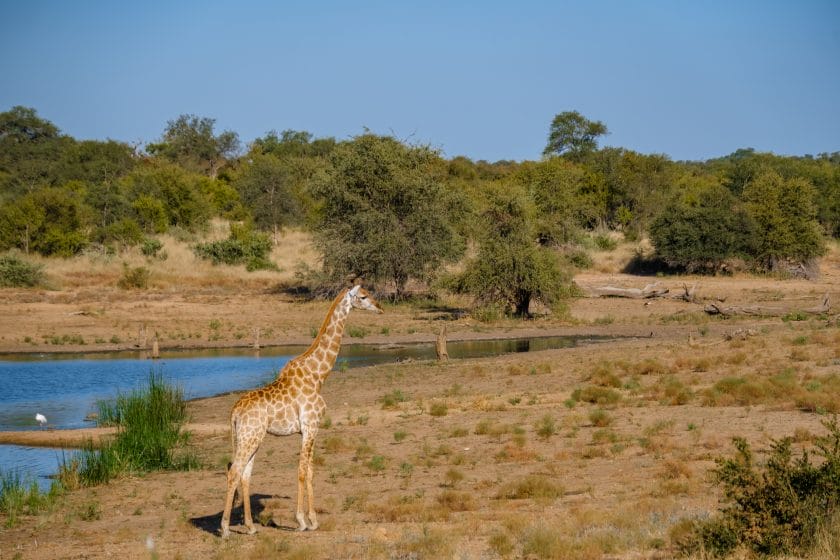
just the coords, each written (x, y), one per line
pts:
(149, 437)
(779, 508)
(23, 497)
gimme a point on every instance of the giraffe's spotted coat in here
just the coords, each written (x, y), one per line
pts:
(289, 405)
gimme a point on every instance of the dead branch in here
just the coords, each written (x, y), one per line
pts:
(650, 291)
(767, 311)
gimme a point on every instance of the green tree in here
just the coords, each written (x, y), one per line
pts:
(31, 151)
(22, 124)
(298, 143)
(191, 142)
(511, 267)
(178, 194)
(564, 198)
(270, 187)
(785, 218)
(384, 214)
(49, 220)
(701, 230)
(573, 135)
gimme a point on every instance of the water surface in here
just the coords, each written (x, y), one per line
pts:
(66, 387)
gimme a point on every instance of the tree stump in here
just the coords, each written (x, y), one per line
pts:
(440, 345)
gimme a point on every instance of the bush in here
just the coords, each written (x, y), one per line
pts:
(777, 509)
(134, 277)
(18, 273)
(243, 246)
(605, 242)
(700, 233)
(151, 246)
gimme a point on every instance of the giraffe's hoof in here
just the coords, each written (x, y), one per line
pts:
(225, 533)
(251, 530)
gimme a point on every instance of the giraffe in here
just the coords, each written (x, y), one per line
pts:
(290, 404)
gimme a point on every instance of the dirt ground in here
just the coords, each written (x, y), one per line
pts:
(480, 458)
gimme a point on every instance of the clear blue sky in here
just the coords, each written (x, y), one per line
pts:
(690, 79)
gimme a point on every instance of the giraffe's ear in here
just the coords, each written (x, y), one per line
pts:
(354, 290)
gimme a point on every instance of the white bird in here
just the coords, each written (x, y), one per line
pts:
(41, 419)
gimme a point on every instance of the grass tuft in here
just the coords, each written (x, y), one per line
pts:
(149, 437)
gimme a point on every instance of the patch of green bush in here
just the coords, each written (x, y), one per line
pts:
(243, 246)
(151, 246)
(775, 509)
(134, 277)
(605, 242)
(18, 273)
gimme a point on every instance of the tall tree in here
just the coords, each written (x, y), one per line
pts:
(511, 267)
(785, 218)
(384, 213)
(191, 142)
(267, 185)
(573, 135)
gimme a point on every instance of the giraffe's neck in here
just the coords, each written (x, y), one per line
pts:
(320, 358)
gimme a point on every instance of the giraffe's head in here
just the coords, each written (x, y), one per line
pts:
(361, 299)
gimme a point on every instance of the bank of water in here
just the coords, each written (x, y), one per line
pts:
(65, 388)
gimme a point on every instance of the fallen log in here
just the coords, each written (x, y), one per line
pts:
(767, 311)
(650, 291)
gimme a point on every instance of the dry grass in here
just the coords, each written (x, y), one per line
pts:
(515, 467)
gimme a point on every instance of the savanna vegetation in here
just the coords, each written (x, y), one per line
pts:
(645, 447)
(394, 213)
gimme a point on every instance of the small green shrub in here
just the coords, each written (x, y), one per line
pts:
(600, 418)
(243, 246)
(531, 487)
(776, 509)
(392, 399)
(605, 242)
(18, 273)
(134, 277)
(376, 463)
(579, 258)
(357, 332)
(151, 246)
(438, 408)
(546, 427)
(597, 395)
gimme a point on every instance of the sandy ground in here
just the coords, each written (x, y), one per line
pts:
(436, 475)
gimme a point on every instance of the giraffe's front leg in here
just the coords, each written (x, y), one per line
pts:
(305, 483)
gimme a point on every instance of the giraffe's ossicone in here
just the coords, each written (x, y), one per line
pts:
(289, 405)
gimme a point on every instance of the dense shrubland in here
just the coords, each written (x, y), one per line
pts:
(391, 212)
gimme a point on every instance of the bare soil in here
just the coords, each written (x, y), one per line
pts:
(445, 471)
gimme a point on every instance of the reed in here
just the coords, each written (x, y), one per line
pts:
(19, 496)
(150, 434)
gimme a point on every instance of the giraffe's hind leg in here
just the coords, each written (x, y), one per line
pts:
(246, 495)
(234, 475)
